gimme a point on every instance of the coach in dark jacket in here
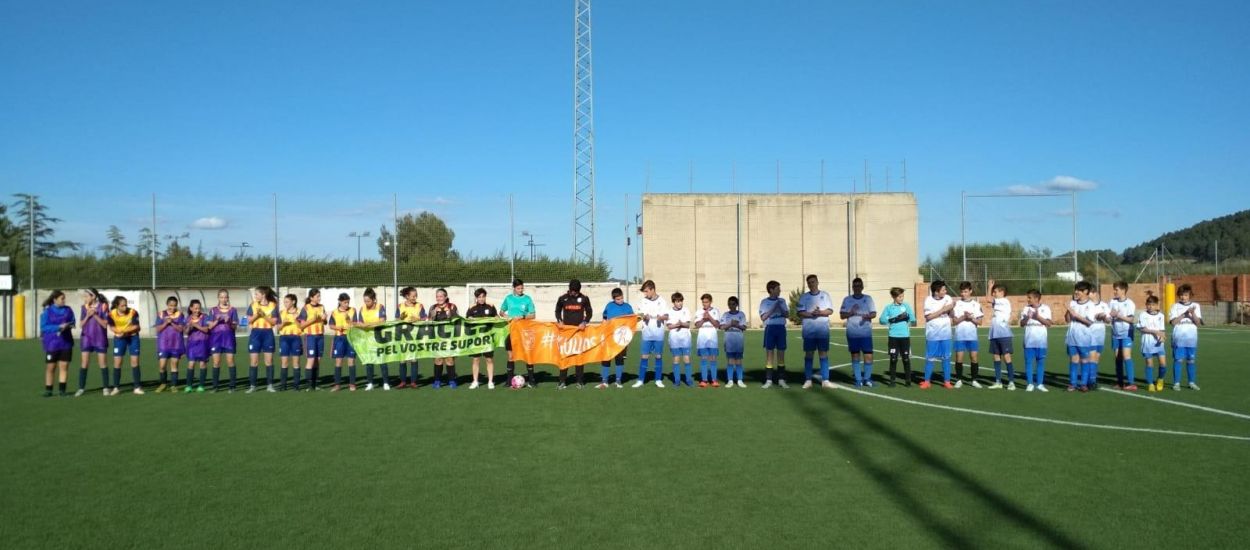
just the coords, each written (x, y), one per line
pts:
(573, 308)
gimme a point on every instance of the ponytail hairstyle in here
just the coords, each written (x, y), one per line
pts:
(311, 292)
(406, 291)
(51, 299)
(293, 298)
(370, 294)
(117, 302)
(269, 294)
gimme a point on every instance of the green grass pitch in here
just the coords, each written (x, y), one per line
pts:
(645, 468)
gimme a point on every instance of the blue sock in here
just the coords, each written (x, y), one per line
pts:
(620, 370)
(998, 371)
(867, 371)
(338, 375)
(283, 378)
(190, 375)
(1163, 370)
(855, 371)
(234, 374)
(1011, 373)
(251, 375)
(298, 372)
(1129, 373)
(1191, 372)
(386, 373)
(946, 369)
(117, 376)
(642, 369)
(807, 367)
(216, 377)
(138, 379)
(703, 368)
(1150, 374)
(351, 374)
(104, 378)
(689, 374)
(1176, 372)
(657, 370)
(1091, 373)
(928, 370)
(711, 365)
(1041, 371)
(164, 377)
(824, 368)
(368, 374)
(269, 374)
(403, 373)
(604, 370)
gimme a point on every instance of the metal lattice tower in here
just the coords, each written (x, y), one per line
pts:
(583, 136)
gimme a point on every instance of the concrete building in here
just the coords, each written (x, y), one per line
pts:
(733, 244)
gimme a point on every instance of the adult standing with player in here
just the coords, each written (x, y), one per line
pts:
(573, 309)
(517, 305)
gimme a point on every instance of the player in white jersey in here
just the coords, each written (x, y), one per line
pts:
(937, 333)
(1080, 310)
(707, 320)
(1098, 337)
(858, 311)
(652, 312)
(734, 322)
(1185, 317)
(1036, 319)
(774, 311)
(678, 324)
(1121, 312)
(1001, 340)
(815, 307)
(967, 316)
(1153, 326)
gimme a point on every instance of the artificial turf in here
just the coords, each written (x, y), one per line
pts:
(627, 468)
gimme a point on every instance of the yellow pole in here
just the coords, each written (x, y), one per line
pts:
(19, 317)
(1169, 298)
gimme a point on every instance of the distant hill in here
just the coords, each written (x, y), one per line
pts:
(1197, 242)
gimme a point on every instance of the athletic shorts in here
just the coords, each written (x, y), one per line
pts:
(1122, 343)
(1098, 348)
(937, 350)
(678, 352)
(343, 348)
(290, 345)
(1079, 351)
(1180, 353)
(737, 355)
(197, 352)
(315, 344)
(859, 344)
(58, 356)
(652, 347)
(775, 337)
(221, 342)
(483, 354)
(123, 345)
(1001, 346)
(708, 352)
(899, 345)
(169, 355)
(1148, 350)
(815, 343)
(95, 349)
(1034, 354)
(260, 340)
(967, 345)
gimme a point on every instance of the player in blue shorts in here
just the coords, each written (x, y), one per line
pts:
(1078, 340)
(815, 307)
(1185, 318)
(1121, 313)
(858, 311)
(1152, 325)
(734, 322)
(652, 313)
(773, 312)
(937, 333)
(1036, 320)
(966, 316)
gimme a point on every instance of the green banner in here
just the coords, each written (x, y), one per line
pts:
(396, 341)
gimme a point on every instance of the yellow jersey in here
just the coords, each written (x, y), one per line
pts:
(123, 321)
(290, 323)
(415, 312)
(316, 314)
(341, 320)
(268, 313)
(375, 314)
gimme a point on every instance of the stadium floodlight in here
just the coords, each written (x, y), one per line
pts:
(358, 236)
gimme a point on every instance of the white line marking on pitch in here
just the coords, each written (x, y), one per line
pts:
(1183, 404)
(1043, 420)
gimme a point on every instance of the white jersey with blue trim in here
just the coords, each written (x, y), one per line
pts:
(1034, 330)
(778, 308)
(966, 330)
(1122, 308)
(707, 336)
(858, 325)
(678, 337)
(1000, 322)
(1184, 332)
(1151, 321)
(815, 327)
(937, 328)
(652, 330)
(1078, 333)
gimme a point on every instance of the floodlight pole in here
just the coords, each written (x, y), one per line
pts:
(963, 230)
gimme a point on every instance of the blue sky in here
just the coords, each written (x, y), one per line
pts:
(454, 105)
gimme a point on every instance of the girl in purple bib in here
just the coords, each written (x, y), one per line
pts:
(94, 323)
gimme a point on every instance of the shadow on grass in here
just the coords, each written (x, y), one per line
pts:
(908, 497)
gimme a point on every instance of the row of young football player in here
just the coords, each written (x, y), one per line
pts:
(1087, 317)
(205, 337)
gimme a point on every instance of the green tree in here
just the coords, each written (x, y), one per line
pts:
(147, 243)
(32, 215)
(176, 250)
(423, 236)
(117, 243)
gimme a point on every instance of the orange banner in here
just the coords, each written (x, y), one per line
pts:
(544, 343)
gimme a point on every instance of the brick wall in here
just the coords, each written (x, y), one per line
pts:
(1209, 289)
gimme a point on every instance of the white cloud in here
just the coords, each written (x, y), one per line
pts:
(1057, 184)
(210, 223)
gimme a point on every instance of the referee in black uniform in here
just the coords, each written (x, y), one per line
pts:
(573, 308)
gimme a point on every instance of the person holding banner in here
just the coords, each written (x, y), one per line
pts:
(653, 312)
(370, 315)
(444, 310)
(341, 320)
(517, 305)
(412, 311)
(480, 310)
(616, 308)
(573, 308)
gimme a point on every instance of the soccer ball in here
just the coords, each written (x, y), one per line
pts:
(518, 382)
